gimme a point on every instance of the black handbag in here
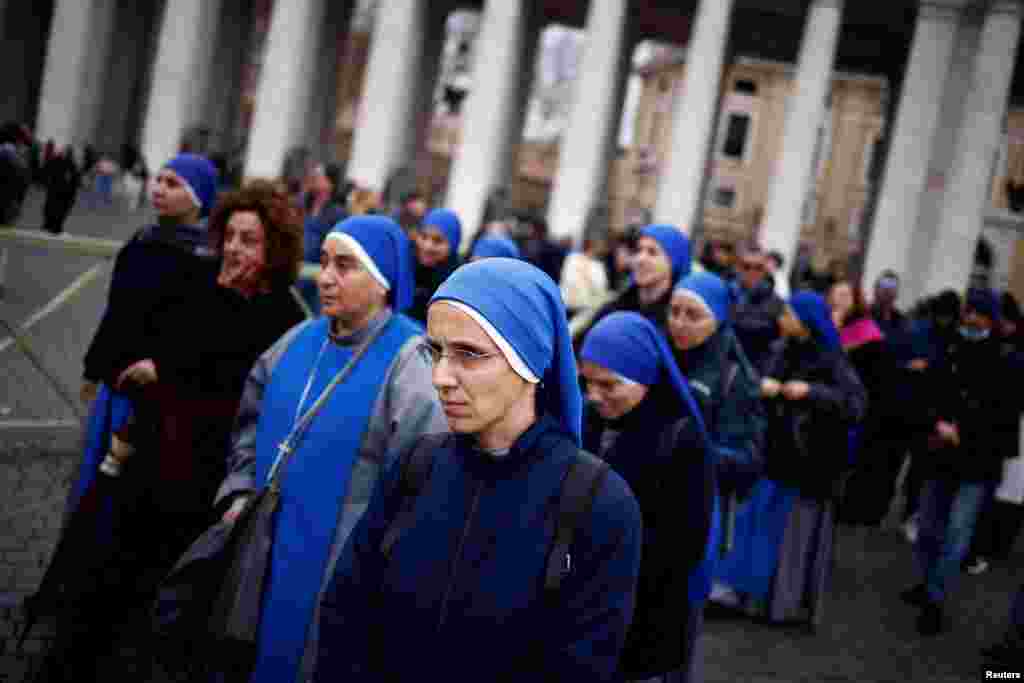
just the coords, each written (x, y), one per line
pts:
(215, 591)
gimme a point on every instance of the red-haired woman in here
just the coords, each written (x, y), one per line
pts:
(184, 374)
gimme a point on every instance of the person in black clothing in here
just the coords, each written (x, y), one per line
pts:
(973, 409)
(15, 174)
(541, 251)
(758, 307)
(646, 423)
(183, 369)
(436, 244)
(62, 183)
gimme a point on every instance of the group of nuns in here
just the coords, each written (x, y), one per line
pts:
(732, 471)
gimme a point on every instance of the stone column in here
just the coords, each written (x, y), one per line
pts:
(492, 119)
(917, 119)
(967, 196)
(78, 44)
(589, 139)
(385, 129)
(693, 117)
(180, 71)
(323, 109)
(793, 175)
(286, 85)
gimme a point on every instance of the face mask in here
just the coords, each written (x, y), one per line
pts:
(973, 333)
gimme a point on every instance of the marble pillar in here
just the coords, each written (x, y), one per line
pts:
(967, 193)
(590, 138)
(180, 73)
(693, 117)
(792, 175)
(917, 119)
(385, 127)
(492, 119)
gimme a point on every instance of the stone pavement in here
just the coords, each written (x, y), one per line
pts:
(868, 634)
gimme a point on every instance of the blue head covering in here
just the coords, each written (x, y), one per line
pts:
(985, 302)
(675, 244)
(488, 247)
(384, 250)
(448, 223)
(629, 344)
(200, 178)
(524, 306)
(815, 314)
(711, 290)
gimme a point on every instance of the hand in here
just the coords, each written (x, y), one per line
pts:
(795, 391)
(770, 387)
(948, 432)
(88, 392)
(235, 510)
(142, 373)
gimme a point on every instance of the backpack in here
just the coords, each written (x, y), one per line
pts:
(579, 489)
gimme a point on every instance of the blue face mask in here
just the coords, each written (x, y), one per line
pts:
(974, 333)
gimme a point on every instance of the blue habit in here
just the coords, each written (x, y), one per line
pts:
(315, 482)
(109, 413)
(760, 522)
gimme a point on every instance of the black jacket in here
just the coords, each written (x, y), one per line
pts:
(808, 440)
(674, 484)
(755, 319)
(977, 387)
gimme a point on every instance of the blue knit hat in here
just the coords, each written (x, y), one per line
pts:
(200, 178)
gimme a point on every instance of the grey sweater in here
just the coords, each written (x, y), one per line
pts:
(405, 408)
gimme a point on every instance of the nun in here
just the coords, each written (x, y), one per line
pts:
(461, 595)
(728, 391)
(494, 246)
(436, 243)
(380, 407)
(813, 397)
(662, 257)
(648, 426)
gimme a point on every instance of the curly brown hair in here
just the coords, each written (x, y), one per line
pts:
(281, 220)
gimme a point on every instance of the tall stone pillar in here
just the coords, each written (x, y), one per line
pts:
(385, 127)
(792, 175)
(589, 139)
(322, 112)
(917, 119)
(492, 121)
(73, 82)
(693, 117)
(967, 192)
(286, 86)
(180, 72)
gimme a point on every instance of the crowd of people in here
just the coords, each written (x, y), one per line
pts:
(517, 461)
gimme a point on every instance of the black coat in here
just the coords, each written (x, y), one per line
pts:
(675, 485)
(808, 440)
(629, 300)
(976, 385)
(755, 319)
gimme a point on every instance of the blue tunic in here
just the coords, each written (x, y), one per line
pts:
(316, 480)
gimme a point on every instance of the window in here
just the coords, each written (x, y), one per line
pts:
(747, 87)
(737, 133)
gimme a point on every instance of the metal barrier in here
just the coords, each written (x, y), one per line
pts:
(102, 248)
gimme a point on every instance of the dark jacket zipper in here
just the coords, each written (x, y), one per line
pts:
(458, 555)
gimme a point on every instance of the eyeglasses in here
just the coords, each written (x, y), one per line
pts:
(459, 357)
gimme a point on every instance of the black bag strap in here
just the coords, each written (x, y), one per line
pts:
(579, 489)
(416, 470)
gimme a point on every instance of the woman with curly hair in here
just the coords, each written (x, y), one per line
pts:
(183, 376)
